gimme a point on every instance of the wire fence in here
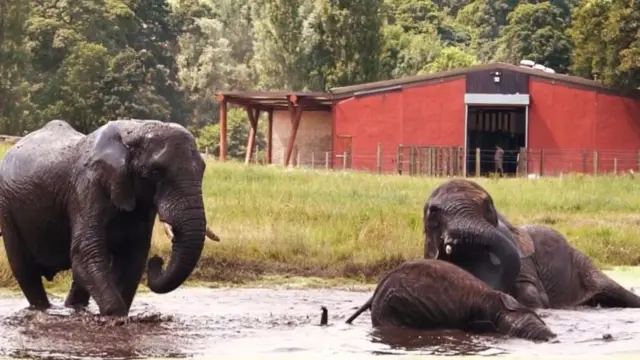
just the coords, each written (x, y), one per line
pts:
(446, 161)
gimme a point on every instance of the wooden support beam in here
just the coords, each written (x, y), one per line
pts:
(253, 115)
(223, 127)
(270, 137)
(295, 113)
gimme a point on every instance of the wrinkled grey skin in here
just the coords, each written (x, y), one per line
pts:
(88, 203)
(557, 275)
(550, 272)
(458, 213)
(435, 294)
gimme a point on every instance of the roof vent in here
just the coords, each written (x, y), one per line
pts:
(550, 70)
(527, 63)
(539, 67)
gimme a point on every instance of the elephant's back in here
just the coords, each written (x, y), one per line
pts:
(41, 154)
(424, 294)
(556, 266)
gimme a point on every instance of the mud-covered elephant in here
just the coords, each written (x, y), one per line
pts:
(89, 202)
(535, 264)
(435, 294)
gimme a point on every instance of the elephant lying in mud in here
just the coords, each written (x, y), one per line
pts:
(533, 263)
(89, 202)
(434, 294)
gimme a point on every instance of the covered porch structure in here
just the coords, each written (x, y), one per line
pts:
(255, 103)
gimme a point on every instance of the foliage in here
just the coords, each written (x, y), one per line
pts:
(89, 61)
(238, 128)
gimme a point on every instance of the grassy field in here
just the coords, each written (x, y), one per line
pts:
(357, 225)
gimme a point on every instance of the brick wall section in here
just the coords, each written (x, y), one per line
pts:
(314, 136)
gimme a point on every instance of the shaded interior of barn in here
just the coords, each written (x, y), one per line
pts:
(488, 126)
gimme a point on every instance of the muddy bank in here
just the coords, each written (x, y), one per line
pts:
(262, 322)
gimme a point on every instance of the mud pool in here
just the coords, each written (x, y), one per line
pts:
(260, 322)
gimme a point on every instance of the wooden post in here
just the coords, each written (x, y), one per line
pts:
(541, 170)
(223, 127)
(412, 160)
(270, 137)
(477, 162)
(344, 160)
(313, 160)
(399, 159)
(295, 114)
(584, 161)
(379, 158)
(615, 166)
(297, 157)
(595, 163)
(326, 160)
(251, 141)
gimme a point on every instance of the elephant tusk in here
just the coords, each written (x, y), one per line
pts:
(168, 229)
(448, 249)
(211, 235)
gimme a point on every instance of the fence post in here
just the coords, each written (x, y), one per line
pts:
(615, 166)
(595, 162)
(313, 160)
(399, 159)
(541, 170)
(297, 158)
(477, 162)
(379, 159)
(412, 160)
(326, 160)
(584, 161)
(344, 160)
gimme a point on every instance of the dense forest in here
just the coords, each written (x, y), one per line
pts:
(90, 61)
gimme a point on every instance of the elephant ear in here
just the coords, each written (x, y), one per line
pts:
(521, 238)
(108, 164)
(511, 304)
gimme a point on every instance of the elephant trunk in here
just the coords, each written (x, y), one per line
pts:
(476, 232)
(523, 325)
(185, 215)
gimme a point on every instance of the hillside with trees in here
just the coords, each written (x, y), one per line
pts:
(90, 61)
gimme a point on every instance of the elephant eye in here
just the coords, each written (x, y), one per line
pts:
(155, 172)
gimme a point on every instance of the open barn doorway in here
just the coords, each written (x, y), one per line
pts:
(488, 126)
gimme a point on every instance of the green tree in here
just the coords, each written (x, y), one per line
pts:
(450, 58)
(348, 42)
(280, 52)
(536, 32)
(237, 134)
(14, 65)
(612, 56)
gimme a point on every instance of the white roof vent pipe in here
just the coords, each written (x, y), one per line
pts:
(527, 63)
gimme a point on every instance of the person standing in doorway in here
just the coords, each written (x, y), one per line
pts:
(497, 158)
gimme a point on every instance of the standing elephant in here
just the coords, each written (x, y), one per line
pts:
(535, 264)
(88, 203)
(435, 294)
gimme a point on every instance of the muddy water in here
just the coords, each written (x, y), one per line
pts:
(218, 322)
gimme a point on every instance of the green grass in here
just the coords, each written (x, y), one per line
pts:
(346, 225)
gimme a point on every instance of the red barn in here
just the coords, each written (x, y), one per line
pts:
(542, 120)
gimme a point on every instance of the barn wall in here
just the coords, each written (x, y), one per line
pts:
(314, 136)
(369, 120)
(570, 123)
(422, 115)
